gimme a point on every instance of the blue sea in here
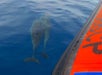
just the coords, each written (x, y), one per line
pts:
(67, 17)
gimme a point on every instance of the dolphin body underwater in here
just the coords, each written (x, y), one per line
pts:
(39, 29)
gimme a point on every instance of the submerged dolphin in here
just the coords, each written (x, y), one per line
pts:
(39, 28)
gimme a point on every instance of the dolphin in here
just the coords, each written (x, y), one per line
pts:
(46, 26)
(40, 28)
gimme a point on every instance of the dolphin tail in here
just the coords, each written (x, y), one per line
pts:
(44, 55)
(32, 59)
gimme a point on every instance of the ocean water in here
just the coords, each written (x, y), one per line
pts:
(67, 17)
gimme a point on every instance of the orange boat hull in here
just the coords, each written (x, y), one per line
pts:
(84, 56)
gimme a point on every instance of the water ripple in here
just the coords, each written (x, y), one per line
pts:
(16, 17)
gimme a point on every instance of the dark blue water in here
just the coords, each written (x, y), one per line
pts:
(67, 17)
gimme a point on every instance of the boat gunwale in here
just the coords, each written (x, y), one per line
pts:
(72, 49)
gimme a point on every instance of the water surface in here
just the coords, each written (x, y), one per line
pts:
(67, 17)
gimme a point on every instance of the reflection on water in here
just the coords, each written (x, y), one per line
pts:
(39, 29)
